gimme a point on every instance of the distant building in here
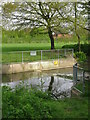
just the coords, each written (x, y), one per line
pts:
(62, 35)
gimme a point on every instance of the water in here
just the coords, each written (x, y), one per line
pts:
(47, 81)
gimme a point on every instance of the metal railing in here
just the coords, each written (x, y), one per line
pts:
(35, 55)
(79, 77)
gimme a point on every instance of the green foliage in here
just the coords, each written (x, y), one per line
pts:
(38, 35)
(25, 102)
(86, 87)
(85, 47)
(80, 56)
(24, 36)
(9, 7)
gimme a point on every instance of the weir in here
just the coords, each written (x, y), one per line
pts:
(37, 66)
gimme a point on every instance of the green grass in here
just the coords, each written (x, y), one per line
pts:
(12, 57)
(70, 108)
(24, 36)
(24, 41)
(24, 102)
(24, 46)
(45, 45)
(17, 57)
(86, 87)
(30, 46)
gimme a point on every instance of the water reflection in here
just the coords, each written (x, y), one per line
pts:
(51, 84)
(29, 75)
(51, 81)
(58, 86)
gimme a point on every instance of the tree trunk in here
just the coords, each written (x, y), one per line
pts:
(79, 45)
(51, 38)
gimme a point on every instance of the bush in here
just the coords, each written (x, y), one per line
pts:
(24, 102)
(80, 56)
(84, 48)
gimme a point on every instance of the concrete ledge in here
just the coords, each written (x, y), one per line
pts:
(37, 66)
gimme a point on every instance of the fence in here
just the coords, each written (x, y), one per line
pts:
(36, 55)
(79, 78)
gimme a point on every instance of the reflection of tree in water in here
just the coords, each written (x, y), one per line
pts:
(51, 83)
(55, 91)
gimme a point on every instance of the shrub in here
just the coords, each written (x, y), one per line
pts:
(84, 48)
(25, 102)
(80, 56)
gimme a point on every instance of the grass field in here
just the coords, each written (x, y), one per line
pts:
(31, 46)
(26, 56)
(24, 46)
(17, 57)
(23, 41)
(26, 37)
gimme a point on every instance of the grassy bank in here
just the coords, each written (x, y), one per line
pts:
(17, 57)
(13, 57)
(24, 102)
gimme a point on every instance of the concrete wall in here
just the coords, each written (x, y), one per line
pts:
(37, 66)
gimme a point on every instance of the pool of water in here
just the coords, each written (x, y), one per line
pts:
(46, 81)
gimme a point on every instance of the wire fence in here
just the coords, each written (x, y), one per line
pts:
(36, 55)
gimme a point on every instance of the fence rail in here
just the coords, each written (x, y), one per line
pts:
(79, 77)
(35, 55)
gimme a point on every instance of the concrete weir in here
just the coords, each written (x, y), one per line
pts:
(37, 66)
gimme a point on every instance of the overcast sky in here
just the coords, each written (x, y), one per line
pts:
(7, 0)
(41, 0)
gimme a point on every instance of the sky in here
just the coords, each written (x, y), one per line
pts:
(41, 0)
(7, 1)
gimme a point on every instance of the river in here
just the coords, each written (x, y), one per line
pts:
(47, 81)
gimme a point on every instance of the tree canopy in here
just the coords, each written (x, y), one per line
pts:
(57, 17)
